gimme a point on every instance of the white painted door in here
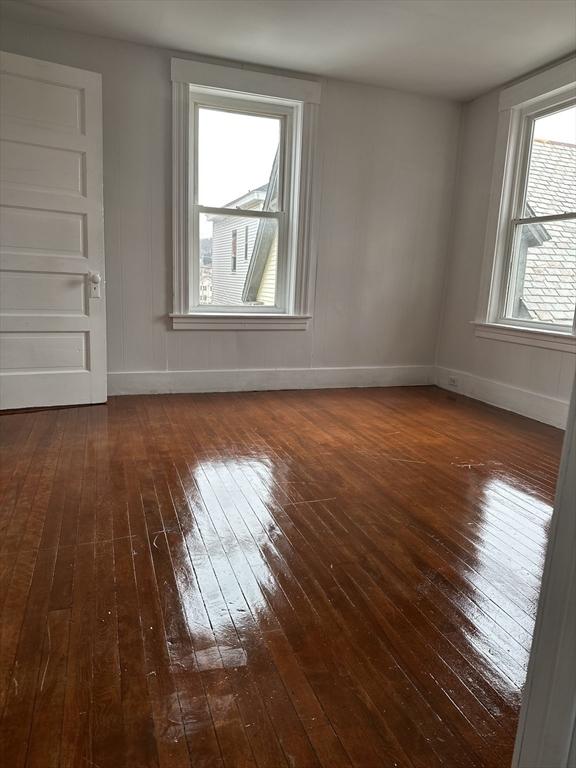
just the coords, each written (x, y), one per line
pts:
(52, 304)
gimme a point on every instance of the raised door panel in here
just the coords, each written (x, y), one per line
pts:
(42, 169)
(38, 293)
(41, 233)
(39, 105)
(26, 352)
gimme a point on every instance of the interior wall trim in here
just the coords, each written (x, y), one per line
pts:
(241, 380)
(535, 405)
(550, 410)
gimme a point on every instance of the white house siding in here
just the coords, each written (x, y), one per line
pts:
(227, 285)
(267, 290)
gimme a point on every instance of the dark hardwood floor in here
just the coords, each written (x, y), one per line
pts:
(280, 579)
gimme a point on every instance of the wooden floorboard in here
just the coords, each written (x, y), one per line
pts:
(269, 580)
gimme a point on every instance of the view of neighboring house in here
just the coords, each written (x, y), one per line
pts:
(546, 275)
(244, 252)
(233, 239)
(206, 270)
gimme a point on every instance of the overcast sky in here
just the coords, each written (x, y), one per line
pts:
(236, 153)
(560, 126)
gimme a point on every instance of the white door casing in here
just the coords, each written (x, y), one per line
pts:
(52, 297)
(546, 733)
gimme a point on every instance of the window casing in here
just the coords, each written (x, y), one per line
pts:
(525, 228)
(286, 224)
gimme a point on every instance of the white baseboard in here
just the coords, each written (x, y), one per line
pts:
(543, 408)
(241, 380)
(549, 410)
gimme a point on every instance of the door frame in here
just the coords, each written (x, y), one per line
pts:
(546, 735)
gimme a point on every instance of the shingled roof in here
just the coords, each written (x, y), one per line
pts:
(548, 293)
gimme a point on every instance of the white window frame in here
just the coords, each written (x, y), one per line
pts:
(295, 101)
(286, 216)
(519, 105)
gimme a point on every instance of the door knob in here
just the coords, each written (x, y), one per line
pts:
(95, 280)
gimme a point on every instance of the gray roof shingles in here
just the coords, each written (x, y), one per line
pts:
(549, 289)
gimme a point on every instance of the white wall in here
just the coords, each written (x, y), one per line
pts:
(526, 379)
(388, 163)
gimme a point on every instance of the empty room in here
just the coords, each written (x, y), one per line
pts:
(287, 360)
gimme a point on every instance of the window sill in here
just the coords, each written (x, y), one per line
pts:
(212, 321)
(562, 342)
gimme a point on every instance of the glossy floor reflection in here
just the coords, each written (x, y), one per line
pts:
(282, 579)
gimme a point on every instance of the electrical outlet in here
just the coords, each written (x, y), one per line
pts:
(453, 381)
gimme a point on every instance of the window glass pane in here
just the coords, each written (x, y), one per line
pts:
(225, 278)
(552, 170)
(238, 160)
(543, 276)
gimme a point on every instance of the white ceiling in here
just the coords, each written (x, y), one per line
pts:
(453, 48)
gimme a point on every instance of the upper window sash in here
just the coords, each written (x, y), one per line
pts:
(287, 114)
(527, 119)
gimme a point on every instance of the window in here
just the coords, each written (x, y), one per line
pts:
(541, 273)
(233, 250)
(533, 243)
(242, 167)
(240, 180)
